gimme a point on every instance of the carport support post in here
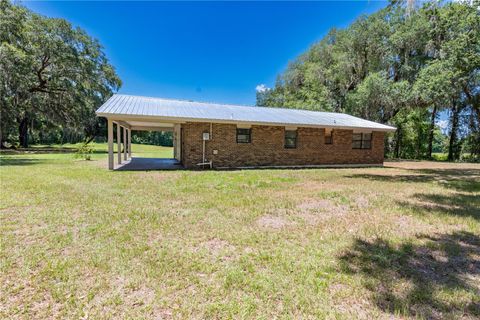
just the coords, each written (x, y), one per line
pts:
(110, 144)
(119, 143)
(125, 143)
(129, 143)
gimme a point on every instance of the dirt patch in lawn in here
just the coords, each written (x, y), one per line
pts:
(318, 186)
(316, 205)
(139, 296)
(407, 225)
(273, 222)
(24, 296)
(362, 202)
(217, 249)
(315, 211)
(216, 246)
(122, 298)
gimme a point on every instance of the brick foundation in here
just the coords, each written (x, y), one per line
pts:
(267, 147)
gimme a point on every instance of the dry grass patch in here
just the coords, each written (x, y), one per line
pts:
(78, 241)
(273, 222)
(318, 211)
(218, 249)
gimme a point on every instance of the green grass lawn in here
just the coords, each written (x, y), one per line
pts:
(79, 241)
(138, 150)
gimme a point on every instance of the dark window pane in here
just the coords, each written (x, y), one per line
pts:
(357, 144)
(362, 141)
(290, 143)
(290, 134)
(244, 135)
(290, 139)
(357, 137)
(367, 144)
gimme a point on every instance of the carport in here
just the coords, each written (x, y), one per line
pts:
(125, 160)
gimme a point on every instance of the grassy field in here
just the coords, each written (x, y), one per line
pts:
(79, 241)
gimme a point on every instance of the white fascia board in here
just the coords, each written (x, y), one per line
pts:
(244, 126)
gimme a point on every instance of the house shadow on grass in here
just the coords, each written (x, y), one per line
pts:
(435, 277)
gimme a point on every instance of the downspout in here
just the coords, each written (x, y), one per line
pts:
(203, 151)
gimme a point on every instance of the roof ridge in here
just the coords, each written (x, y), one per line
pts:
(186, 100)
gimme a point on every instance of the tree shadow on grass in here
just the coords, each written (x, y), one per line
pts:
(466, 180)
(20, 161)
(44, 150)
(464, 202)
(438, 278)
(456, 204)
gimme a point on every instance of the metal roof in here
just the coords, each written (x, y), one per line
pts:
(128, 107)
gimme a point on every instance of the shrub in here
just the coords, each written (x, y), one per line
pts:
(85, 151)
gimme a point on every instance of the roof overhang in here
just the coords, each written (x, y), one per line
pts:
(144, 125)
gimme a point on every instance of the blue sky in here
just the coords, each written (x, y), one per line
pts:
(206, 51)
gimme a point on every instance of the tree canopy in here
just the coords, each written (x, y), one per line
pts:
(402, 66)
(52, 76)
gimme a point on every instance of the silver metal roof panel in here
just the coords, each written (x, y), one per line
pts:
(126, 106)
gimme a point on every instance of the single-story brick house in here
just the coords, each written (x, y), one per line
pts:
(228, 136)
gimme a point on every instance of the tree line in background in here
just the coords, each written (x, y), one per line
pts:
(403, 65)
(53, 77)
(156, 138)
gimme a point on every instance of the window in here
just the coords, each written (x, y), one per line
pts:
(362, 141)
(244, 135)
(290, 139)
(328, 136)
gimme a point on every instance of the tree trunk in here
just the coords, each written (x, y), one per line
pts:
(87, 141)
(23, 132)
(397, 142)
(452, 154)
(431, 133)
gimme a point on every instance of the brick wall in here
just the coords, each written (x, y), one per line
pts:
(267, 147)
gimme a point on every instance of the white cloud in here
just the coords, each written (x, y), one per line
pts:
(261, 88)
